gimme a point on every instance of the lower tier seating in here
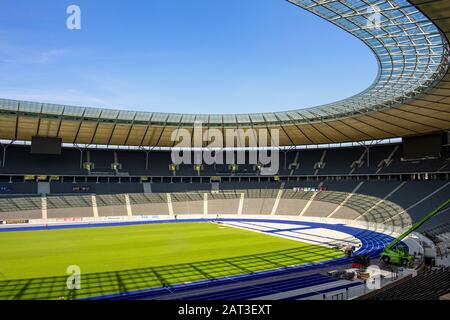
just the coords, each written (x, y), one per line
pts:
(389, 210)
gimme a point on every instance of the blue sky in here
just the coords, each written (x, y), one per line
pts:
(198, 56)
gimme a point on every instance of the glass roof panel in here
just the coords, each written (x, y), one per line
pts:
(109, 114)
(256, 118)
(52, 109)
(143, 116)
(159, 117)
(10, 105)
(174, 118)
(27, 106)
(243, 118)
(410, 48)
(229, 118)
(282, 116)
(73, 111)
(295, 116)
(215, 119)
(188, 118)
(92, 113)
(203, 118)
(127, 115)
(270, 117)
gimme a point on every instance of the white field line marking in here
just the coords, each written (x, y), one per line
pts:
(280, 235)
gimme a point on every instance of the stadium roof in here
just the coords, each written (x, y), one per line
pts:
(410, 96)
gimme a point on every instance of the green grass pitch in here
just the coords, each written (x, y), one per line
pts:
(117, 259)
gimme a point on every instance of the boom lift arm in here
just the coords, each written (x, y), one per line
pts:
(396, 256)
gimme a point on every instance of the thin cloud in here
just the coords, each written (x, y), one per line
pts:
(12, 54)
(65, 97)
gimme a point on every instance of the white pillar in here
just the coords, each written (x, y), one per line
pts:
(128, 204)
(241, 204)
(169, 204)
(94, 206)
(44, 208)
(205, 204)
(277, 202)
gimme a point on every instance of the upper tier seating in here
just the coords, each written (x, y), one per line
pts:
(382, 159)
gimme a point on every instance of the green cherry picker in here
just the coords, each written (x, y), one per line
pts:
(396, 253)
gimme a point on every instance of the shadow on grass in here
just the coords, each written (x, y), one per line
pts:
(97, 284)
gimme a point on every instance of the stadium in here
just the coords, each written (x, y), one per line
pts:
(94, 205)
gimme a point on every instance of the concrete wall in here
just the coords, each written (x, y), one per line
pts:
(112, 211)
(21, 215)
(70, 213)
(150, 209)
(258, 206)
(225, 206)
(291, 207)
(192, 207)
